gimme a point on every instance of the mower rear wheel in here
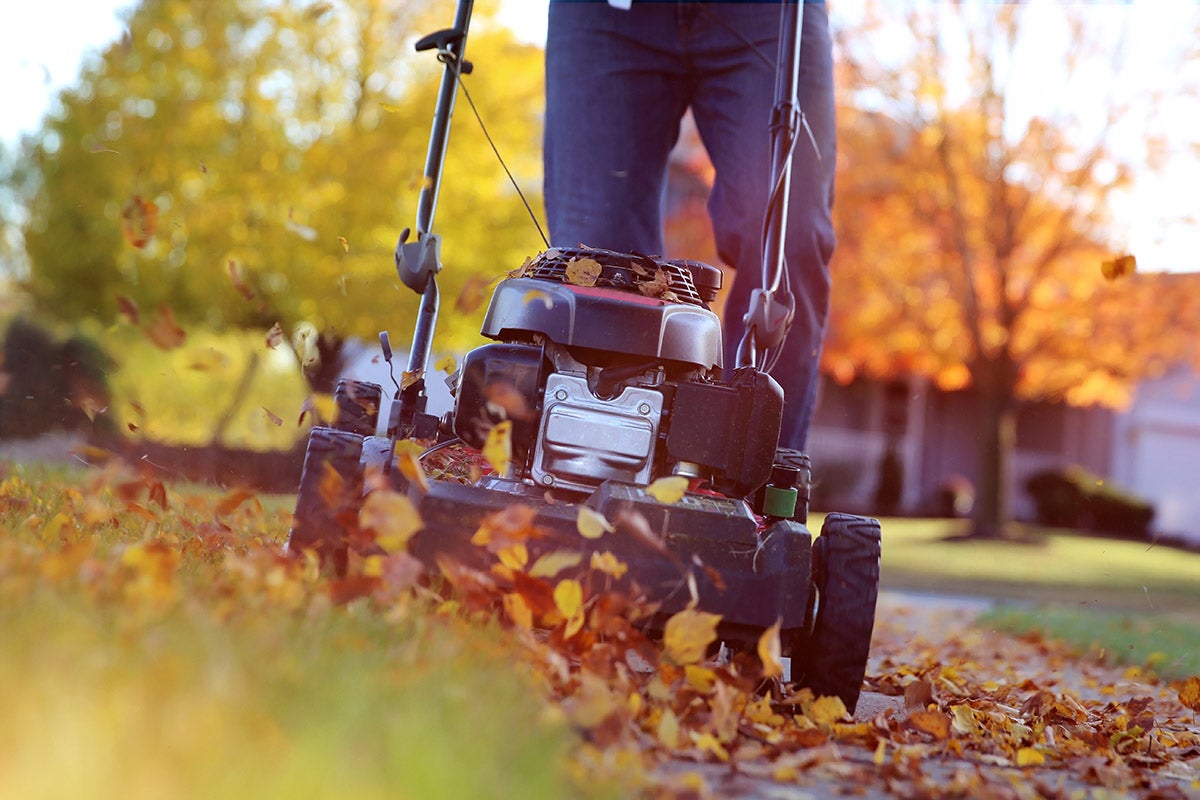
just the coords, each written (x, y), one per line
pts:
(329, 497)
(356, 405)
(846, 580)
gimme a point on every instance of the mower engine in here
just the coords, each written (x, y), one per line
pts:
(608, 366)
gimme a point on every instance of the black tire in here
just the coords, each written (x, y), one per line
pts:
(329, 497)
(356, 405)
(846, 580)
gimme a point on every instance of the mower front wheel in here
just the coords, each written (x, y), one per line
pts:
(833, 660)
(329, 497)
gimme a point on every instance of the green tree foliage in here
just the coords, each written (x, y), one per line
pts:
(271, 153)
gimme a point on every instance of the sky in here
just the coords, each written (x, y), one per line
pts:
(44, 43)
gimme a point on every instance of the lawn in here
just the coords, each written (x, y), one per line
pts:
(1131, 602)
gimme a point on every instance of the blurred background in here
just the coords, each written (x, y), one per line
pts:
(199, 204)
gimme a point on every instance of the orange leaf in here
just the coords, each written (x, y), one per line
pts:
(932, 722)
(470, 297)
(770, 651)
(128, 309)
(164, 331)
(1189, 693)
(139, 220)
(1118, 267)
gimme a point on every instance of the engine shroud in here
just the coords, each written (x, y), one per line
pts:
(616, 380)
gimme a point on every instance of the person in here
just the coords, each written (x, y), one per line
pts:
(619, 78)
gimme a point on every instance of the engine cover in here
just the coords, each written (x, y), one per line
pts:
(637, 306)
(584, 440)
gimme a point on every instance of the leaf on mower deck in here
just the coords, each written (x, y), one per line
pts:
(1189, 693)
(770, 651)
(274, 336)
(688, 634)
(669, 489)
(164, 331)
(393, 518)
(591, 523)
(139, 221)
(657, 286)
(497, 448)
(568, 599)
(583, 271)
(446, 364)
(609, 564)
(551, 564)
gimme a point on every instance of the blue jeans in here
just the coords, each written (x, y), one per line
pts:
(617, 85)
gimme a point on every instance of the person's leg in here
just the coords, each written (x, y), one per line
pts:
(614, 97)
(732, 107)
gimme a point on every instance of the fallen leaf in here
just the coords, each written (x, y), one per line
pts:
(934, 723)
(1189, 693)
(609, 564)
(497, 447)
(591, 524)
(770, 651)
(688, 634)
(164, 332)
(392, 517)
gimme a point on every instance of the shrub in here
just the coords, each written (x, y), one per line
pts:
(1072, 497)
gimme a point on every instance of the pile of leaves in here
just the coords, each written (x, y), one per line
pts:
(669, 714)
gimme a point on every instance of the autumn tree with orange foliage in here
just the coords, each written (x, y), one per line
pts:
(978, 247)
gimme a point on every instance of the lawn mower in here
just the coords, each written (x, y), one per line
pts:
(605, 369)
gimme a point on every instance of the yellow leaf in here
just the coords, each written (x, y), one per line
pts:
(770, 651)
(583, 271)
(668, 729)
(708, 743)
(514, 556)
(568, 599)
(880, 753)
(446, 364)
(551, 564)
(761, 713)
(669, 489)
(827, 710)
(699, 678)
(591, 523)
(392, 517)
(497, 448)
(1030, 757)
(518, 611)
(609, 564)
(688, 634)
(408, 460)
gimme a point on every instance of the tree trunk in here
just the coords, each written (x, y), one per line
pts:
(997, 440)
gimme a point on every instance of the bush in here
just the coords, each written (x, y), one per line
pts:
(1072, 497)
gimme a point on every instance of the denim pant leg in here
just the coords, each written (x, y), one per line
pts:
(733, 132)
(614, 101)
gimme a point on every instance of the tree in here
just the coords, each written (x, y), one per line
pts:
(974, 233)
(249, 162)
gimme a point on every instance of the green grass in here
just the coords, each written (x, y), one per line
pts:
(190, 671)
(1046, 565)
(1132, 602)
